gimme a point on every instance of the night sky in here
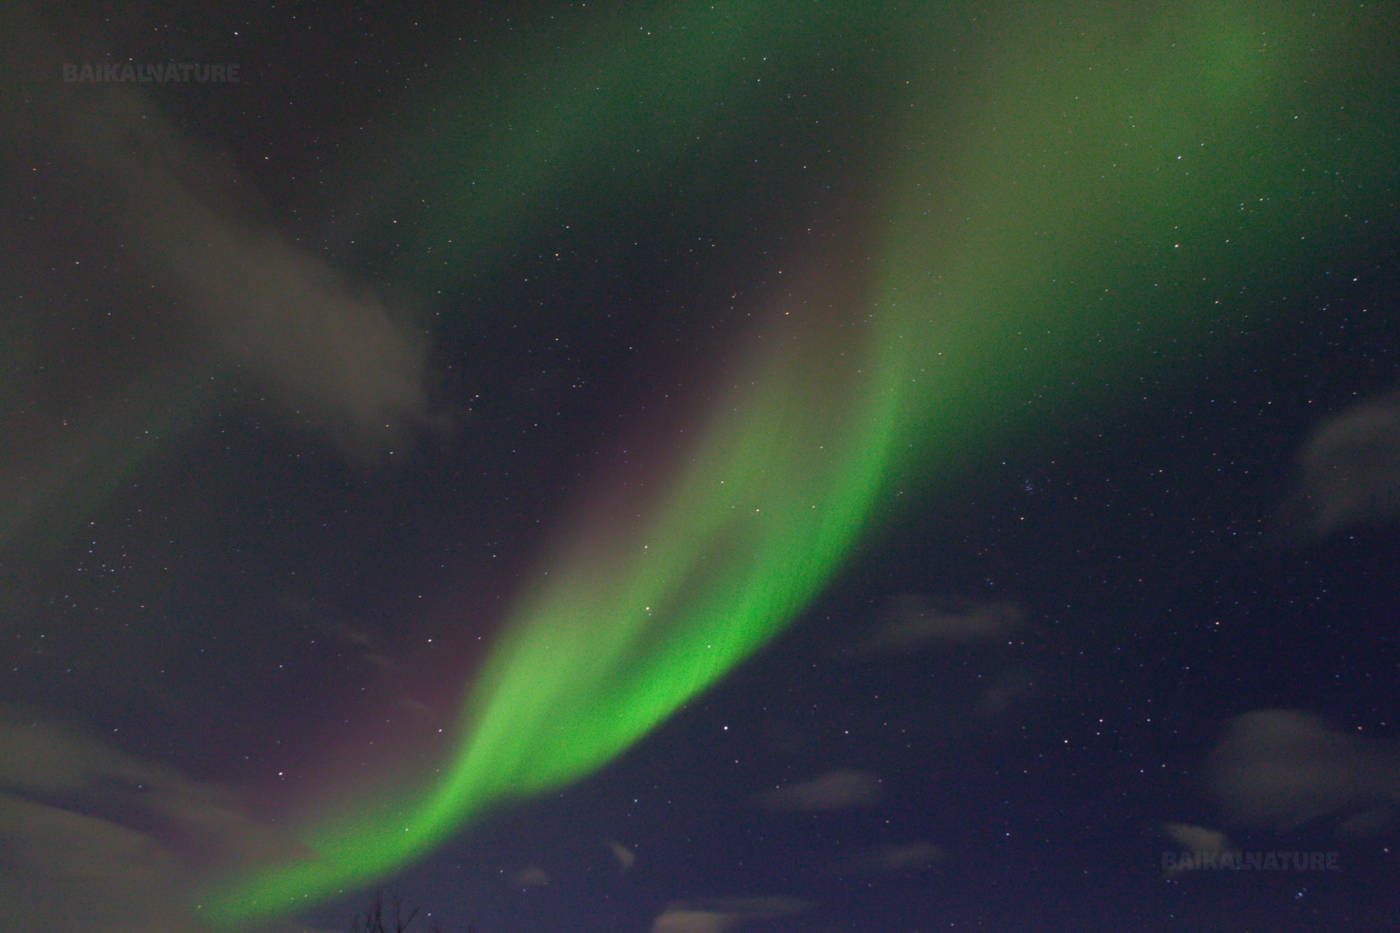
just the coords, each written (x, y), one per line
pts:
(778, 466)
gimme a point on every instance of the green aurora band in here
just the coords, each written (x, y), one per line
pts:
(1091, 195)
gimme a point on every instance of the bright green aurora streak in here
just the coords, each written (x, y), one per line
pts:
(1090, 192)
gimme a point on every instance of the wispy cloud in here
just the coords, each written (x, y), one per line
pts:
(834, 790)
(1197, 840)
(1281, 769)
(163, 292)
(531, 876)
(887, 859)
(626, 858)
(1008, 687)
(322, 343)
(913, 621)
(723, 914)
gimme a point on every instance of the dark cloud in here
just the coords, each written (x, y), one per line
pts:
(1281, 770)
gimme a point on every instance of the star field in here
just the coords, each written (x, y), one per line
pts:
(763, 467)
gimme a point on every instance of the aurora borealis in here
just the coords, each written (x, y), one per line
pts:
(606, 378)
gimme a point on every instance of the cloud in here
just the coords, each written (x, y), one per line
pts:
(100, 841)
(532, 876)
(724, 914)
(68, 871)
(835, 790)
(626, 858)
(1197, 840)
(1281, 770)
(884, 860)
(164, 235)
(1349, 469)
(1008, 687)
(913, 621)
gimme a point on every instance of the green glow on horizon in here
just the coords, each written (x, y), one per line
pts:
(1040, 237)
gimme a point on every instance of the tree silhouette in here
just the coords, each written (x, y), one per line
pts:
(386, 914)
